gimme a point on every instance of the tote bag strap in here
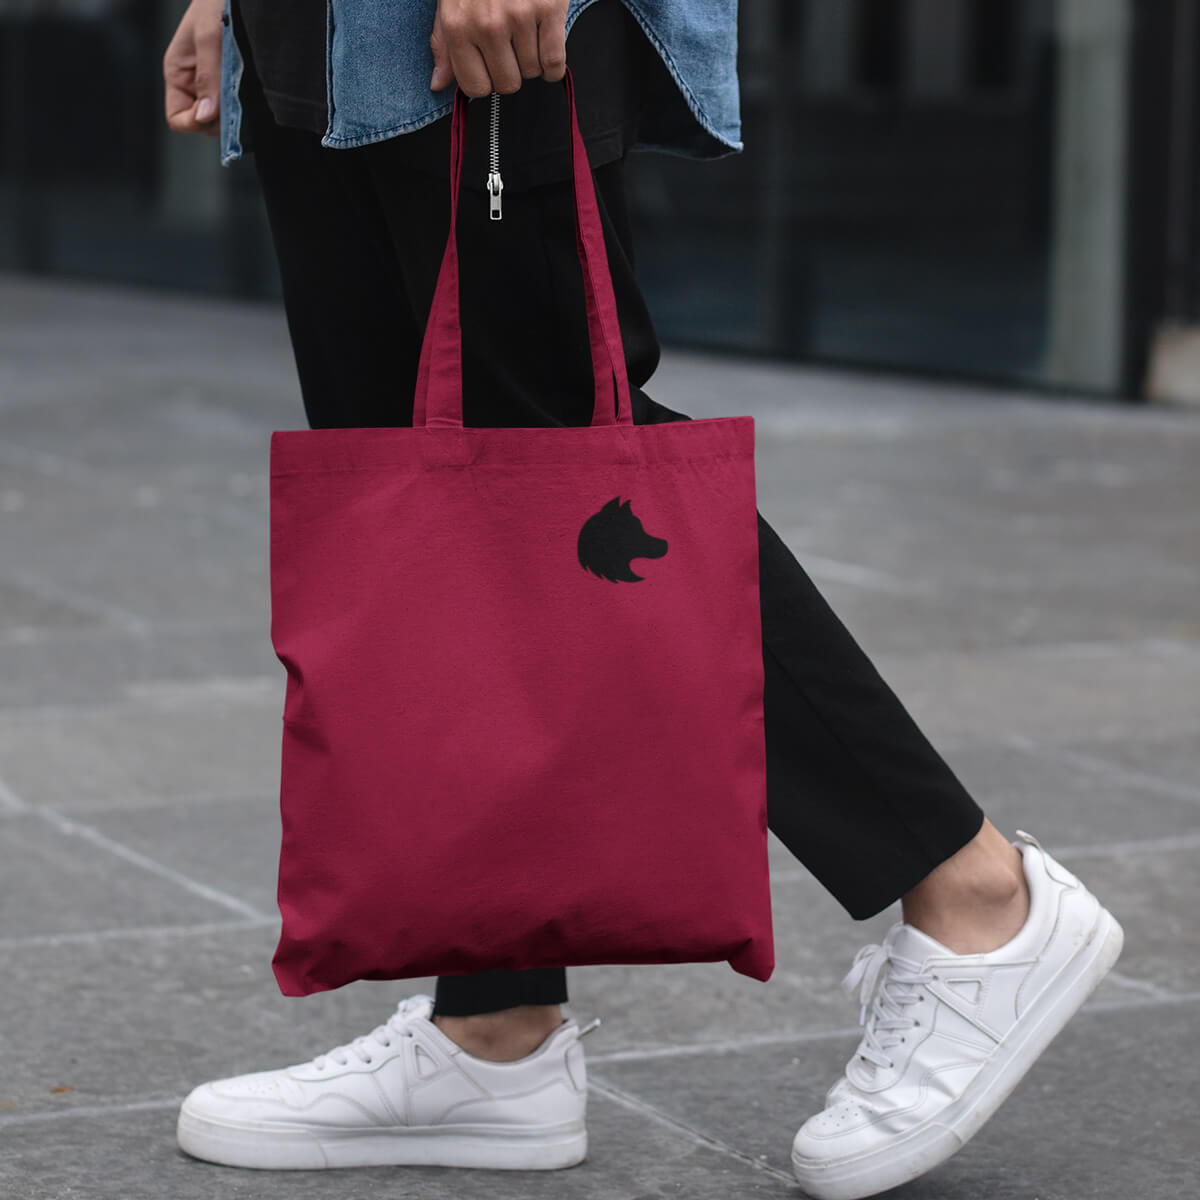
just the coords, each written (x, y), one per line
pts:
(438, 399)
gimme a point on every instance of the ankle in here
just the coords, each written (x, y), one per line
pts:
(977, 900)
(502, 1036)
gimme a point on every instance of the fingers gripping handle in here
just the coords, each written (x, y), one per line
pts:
(438, 400)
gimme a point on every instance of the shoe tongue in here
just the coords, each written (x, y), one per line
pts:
(907, 942)
(415, 1006)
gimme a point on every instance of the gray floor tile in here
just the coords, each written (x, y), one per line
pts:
(1023, 570)
(1069, 693)
(1065, 803)
(56, 882)
(119, 1018)
(133, 1156)
(177, 740)
(230, 842)
(48, 665)
(1053, 1139)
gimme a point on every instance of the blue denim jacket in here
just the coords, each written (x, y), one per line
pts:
(378, 65)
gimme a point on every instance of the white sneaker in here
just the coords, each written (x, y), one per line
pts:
(948, 1036)
(403, 1094)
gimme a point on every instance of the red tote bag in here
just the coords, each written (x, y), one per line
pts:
(523, 722)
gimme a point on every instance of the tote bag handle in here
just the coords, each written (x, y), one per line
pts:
(438, 400)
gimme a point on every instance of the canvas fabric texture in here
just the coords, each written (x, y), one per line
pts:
(523, 724)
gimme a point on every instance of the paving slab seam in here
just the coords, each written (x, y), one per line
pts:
(252, 696)
(71, 828)
(1100, 766)
(116, 616)
(1143, 986)
(1183, 844)
(635, 1104)
(724, 1046)
(1167, 1000)
(83, 1111)
(10, 802)
(1159, 998)
(854, 574)
(116, 485)
(875, 410)
(37, 635)
(1151, 647)
(146, 804)
(88, 833)
(49, 941)
(605, 1088)
(221, 689)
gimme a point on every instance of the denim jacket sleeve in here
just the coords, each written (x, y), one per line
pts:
(378, 65)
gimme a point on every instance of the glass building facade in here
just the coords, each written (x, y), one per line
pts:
(999, 189)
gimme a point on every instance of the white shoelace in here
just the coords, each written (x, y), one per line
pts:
(887, 985)
(398, 1025)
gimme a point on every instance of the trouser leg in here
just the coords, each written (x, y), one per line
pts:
(493, 991)
(854, 789)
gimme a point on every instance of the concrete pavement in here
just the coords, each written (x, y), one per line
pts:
(1024, 570)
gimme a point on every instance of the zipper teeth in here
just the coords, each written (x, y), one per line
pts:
(494, 141)
(494, 183)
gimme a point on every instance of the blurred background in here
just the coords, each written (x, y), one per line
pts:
(992, 189)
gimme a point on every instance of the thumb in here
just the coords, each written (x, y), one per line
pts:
(443, 72)
(208, 102)
(208, 74)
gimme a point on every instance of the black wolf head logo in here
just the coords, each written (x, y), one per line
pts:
(612, 539)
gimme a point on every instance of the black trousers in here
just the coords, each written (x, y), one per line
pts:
(854, 789)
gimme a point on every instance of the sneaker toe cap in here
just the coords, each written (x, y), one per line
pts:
(259, 1096)
(845, 1127)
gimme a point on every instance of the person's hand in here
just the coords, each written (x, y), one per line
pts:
(492, 45)
(192, 70)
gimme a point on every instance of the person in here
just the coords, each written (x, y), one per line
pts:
(344, 111)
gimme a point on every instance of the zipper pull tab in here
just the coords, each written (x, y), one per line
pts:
(495, 185)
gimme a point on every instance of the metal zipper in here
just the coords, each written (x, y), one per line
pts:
(495, 185)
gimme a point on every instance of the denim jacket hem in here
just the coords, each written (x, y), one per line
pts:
(709, 130)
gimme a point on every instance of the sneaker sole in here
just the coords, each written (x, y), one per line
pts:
(269, 1147)
(930, 1145)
